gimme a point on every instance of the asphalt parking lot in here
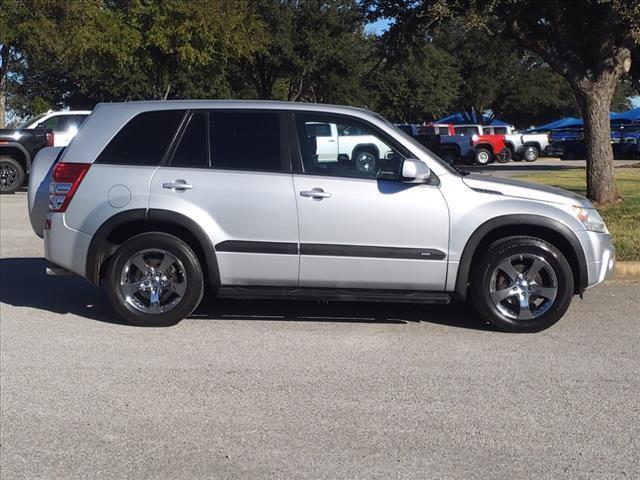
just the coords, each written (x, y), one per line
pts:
(307, 390)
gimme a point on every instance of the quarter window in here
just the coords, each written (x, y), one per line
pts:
(143, 140)
(354, 149)
(245, 140)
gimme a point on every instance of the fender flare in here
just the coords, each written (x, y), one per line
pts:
(464, 267)
(99, 246)
(23, 150)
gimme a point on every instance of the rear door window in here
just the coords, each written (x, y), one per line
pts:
(245, 141)
(192, 150)
(143, 140)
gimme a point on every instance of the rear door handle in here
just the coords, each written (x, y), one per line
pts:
(316, 193)
(178, 185)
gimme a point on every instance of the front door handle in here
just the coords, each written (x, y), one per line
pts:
(178, 185)
(315, 193)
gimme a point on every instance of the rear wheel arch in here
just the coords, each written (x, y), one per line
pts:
(123, 226)
(369, 147)
(533, 144)
(544, 228)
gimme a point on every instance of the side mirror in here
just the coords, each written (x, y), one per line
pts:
(415, 171)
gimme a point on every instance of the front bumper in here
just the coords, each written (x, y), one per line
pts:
(600, 255)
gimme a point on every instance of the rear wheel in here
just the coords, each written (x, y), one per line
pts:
(155, 280)
(12, 175)
(522, 284)
(366, 161)
(530, 153)
(482, 156)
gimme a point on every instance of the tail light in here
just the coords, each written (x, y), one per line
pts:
(65, 181)
(50, 139)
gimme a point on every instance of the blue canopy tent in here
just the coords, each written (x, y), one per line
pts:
(629, 116)
(460, 118)
(568, 122)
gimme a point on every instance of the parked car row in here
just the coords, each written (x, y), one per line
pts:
(478, 144)
(19, 146)
(625, 143)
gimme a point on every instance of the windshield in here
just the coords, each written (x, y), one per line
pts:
(419, 146)
(32, 121)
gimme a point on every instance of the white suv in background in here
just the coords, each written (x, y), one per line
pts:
(162, 200)
(65, 124)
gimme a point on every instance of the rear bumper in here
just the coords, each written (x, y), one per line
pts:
(64, 246)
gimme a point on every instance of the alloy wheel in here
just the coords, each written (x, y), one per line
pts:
(523, 287)
(366, 162)
(8, 176)
(153, 281)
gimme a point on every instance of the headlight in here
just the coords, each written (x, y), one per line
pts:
(591, 219)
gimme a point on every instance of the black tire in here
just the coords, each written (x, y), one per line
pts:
(504, 156)
(192, 276)
(482, 156)
(521, 249)
(531, 153)
(366, 160)
(12, 175)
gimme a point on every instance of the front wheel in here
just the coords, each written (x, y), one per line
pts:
(11, 175)
(522, 285)
(154, 280)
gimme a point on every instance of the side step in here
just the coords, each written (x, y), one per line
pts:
(334, 294)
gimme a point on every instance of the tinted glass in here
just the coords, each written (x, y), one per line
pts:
(67, 122)
(52, 122)
(359, 151)
(444, 130)
(245, 140)
(192, 149)
(319, 129)
(500, 130)
(466, 130)
(144, 140)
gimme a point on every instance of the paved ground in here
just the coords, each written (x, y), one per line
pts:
(301, 390)
(541, 165)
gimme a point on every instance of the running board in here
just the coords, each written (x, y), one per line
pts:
(333, 294)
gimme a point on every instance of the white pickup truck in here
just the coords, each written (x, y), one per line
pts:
(342, 142)
(65, 124)
(524, 146)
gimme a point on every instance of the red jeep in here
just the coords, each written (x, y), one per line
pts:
(488, 148)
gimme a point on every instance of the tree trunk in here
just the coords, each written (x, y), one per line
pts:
(595, 103)
(4, 72)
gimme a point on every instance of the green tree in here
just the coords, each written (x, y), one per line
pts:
(314, 51)
(589, 42)
(422, 84)
(79, 53)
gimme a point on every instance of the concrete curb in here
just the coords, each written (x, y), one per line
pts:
(627, 271)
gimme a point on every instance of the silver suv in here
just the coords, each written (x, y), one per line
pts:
(162, 200)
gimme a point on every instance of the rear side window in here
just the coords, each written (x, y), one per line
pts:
(143, 140)
(192, 150)
(245, 140)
